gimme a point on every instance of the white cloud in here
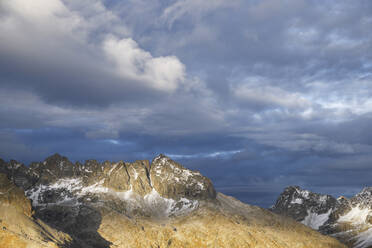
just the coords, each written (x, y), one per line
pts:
(259, 93)
(60, 34)
(194, 8)
(343, 100)
(37, 9)
(24, 21)
(164, 73)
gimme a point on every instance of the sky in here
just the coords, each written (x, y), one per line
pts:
(255, 94)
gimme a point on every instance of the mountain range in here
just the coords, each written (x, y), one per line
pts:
(57, 203)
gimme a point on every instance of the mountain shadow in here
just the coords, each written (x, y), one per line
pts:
(80, 222)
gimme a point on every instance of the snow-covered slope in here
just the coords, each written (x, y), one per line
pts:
(349, 220)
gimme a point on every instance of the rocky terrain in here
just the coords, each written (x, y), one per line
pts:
(349, 220)
(19, 228)
(56, 203)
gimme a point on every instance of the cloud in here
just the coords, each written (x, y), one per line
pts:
(256, 92)
(12, 147)
(164, 73)
(307, 142)
(59, 46)
(194, 8)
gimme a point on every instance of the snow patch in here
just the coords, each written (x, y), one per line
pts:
(66, 186)
(16, 166)
(165, 207)
(135, 173)
(356, 216)
(323, 198)
(162, 206)
(297, 201)
(113, 168)
(315, 220)
(69, 191)
(305, 194)
(96, 188)
(187, 174)
(364, 239)
(161, 160)
(201, 186)
(125, 195)
(187, 206)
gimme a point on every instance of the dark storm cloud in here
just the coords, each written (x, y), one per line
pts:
(52, 50)
(56, 83)
(256, 95)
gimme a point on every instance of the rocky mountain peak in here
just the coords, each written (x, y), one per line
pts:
(366, 190)
(160, 157)
(363, 199)
(55, 157)
(172, 180)
(14, 165)
(305, 206)
(350, 220)
(57, 160)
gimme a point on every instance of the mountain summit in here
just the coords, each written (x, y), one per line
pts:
(57, 203)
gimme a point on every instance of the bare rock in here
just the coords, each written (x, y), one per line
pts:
(172, 180)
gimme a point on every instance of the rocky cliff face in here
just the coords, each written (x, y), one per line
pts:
(310, 208)
(139, 204)
(349, 220)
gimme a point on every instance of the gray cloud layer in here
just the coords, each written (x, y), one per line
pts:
(255, 94)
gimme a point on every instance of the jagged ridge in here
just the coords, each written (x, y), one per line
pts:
(140, 204)
(349, 220)
(163, 185)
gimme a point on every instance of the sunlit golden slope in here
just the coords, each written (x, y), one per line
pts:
(18, 228)
(230, 223)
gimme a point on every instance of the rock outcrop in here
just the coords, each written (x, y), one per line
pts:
(18, 227)
(139, 204)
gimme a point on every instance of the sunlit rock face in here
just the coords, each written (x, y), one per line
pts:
(172, 180)
(12, 196)
(140, 204)
(18, 226)
(349, 220)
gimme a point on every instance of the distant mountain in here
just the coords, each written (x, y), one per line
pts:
(56, 203)
(349, 220)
